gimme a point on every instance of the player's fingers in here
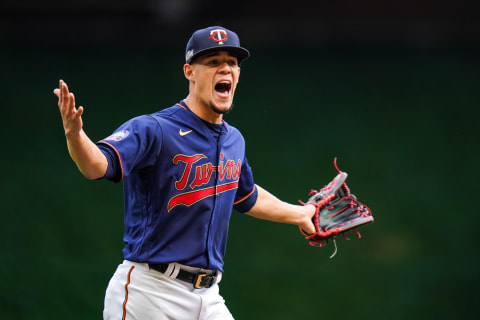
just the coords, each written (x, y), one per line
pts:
(307, 223)
(65, 85)
(309, 228)
(60, 91)
(66, 101)
(64, 89)
(71, 101)
(63, 94)
(56, 92)
(79, 112)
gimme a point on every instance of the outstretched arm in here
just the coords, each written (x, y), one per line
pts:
(269, 207)
(91, 162)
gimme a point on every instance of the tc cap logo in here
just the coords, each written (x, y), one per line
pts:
(219, 35)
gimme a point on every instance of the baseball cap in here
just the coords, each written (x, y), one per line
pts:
(213, 39)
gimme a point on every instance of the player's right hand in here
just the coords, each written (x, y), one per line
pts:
(71, 116)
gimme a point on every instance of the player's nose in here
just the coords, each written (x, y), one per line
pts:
(224, 68)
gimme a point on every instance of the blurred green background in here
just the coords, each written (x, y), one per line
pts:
(395, 103)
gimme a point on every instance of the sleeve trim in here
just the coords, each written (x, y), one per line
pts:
(246, 197)
(118, 154)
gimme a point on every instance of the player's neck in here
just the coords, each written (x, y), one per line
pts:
(203, 110)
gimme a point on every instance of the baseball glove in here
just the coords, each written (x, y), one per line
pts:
(337, 211)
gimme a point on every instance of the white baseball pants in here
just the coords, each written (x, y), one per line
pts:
(137, 292)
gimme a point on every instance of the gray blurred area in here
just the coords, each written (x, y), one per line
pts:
(390, 88)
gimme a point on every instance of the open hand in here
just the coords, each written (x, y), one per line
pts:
(71, 116)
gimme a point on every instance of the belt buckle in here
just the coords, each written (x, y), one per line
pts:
(197, 283)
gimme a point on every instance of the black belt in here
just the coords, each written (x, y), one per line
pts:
(199, 279)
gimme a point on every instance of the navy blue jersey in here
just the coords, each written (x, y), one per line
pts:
(180, 185)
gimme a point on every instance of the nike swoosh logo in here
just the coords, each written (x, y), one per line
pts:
(184, 133)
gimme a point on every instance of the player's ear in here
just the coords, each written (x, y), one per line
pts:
(188, 72)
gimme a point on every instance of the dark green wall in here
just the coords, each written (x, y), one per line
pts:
(403, 126)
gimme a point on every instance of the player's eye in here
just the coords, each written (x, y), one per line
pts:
(232, 63)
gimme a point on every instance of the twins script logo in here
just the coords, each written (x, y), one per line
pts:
(227, 172)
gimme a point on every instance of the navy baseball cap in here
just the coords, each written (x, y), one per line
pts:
(212, 39)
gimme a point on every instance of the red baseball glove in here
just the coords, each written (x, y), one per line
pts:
(337, 211)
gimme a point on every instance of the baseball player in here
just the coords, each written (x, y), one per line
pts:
(183, 171)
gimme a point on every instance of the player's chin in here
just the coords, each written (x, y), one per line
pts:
(221, 108)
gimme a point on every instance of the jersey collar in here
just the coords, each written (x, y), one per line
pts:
(183, 105)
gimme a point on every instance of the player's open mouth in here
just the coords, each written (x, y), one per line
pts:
(223, 88)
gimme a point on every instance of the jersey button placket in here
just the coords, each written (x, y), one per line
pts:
(210, 237)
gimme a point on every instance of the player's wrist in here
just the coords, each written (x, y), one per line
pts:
(72, 134)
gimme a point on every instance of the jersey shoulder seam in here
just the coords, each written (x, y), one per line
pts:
(161, 134)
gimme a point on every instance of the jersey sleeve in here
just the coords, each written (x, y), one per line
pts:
(114, 172)
(247, 190)
(137, 144)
